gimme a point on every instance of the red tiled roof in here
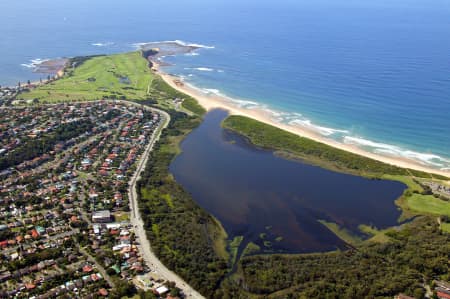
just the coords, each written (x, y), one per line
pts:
(103, 292)
(443, 295)
(34, 233)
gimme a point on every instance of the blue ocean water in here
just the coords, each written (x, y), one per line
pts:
(371, 73)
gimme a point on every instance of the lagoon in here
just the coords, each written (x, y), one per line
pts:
(273, 202)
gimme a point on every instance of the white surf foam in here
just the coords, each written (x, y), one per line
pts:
(325, 131)
(297, 119)
(201, 69)
(187, 44)
(240, 103)
(393, 150)
(138, 45)
(106, 44)
(291, 118)
(179, 42)
(192, 54)
(34, 63)
(248, 104)
(211, 90)
(204, 69)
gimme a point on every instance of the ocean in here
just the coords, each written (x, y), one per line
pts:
(375, 74)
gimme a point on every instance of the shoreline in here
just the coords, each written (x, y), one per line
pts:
(210, 102)
(59, 73)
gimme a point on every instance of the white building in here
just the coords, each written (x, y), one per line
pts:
(101, 216)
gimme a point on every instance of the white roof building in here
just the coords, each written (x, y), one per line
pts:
(101, 216)
(162, 290)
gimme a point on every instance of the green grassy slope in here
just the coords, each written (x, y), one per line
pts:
(114, 76)
(428, 204)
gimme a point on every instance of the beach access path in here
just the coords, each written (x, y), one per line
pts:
(136, 220)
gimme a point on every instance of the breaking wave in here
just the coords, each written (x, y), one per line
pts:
(34, 63)
(187, 44)
(106, 44)
(393, 150)
(204, 69)
(211, 90)
(289, 118)
(178, 42)
(325, 131)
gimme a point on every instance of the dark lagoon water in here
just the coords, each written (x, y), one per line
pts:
(254, 192)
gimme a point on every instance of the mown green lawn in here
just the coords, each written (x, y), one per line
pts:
(114, 76)
(428, 204)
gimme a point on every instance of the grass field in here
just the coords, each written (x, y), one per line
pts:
(121, 216)
(407, 180)
(114, 76)
(124, 76)
(428, 204)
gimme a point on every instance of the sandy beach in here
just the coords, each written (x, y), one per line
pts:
(212, 101)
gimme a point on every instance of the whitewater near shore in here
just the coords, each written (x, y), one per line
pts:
(212, 100)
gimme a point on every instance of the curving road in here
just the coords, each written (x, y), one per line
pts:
(135, 218)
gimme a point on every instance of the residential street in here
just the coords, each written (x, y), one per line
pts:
(135, 218)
